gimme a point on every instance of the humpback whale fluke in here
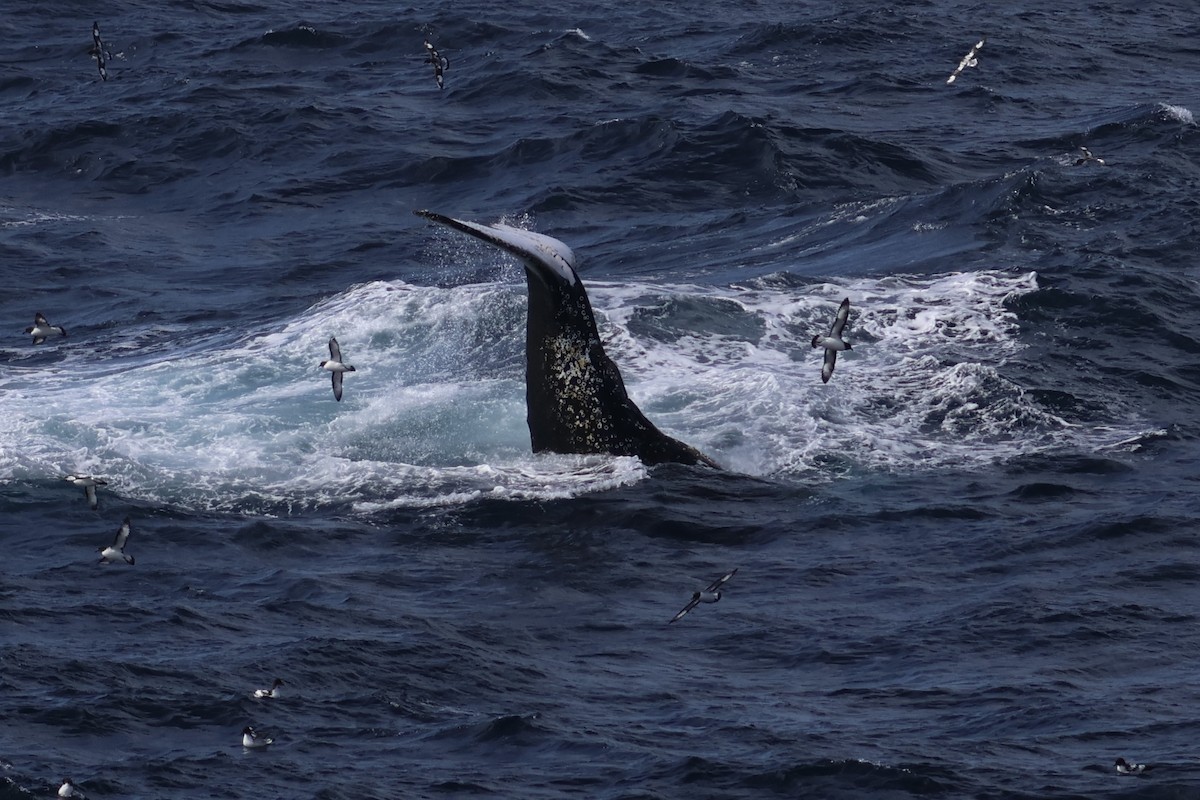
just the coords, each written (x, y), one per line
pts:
(575, 397)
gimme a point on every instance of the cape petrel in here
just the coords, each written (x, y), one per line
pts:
(711, 594)
(834, 341)
(335, 365)
(1086, 157)
(41, 330)
(1125, 768)
(439, 61)
(969, 60)
(68, 789)
(98, 52)
(252, 741)
(116, 551)
(88, 484)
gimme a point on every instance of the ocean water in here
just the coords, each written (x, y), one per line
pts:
(968, 566)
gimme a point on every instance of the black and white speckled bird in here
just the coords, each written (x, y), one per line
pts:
(1087, 157)
(969, 60)
(88, 484)
(272, 692)
(98, 52)
(335, 365)
(41, 330)
(834, 342)
(252, 741)
(116, 551)
(1125, 768)
(440, 64)
(711, 594)
(68, 789)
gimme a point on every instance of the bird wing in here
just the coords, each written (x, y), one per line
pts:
(967, 61)
(122, 535)
(89, 492)
(839, 322)
(335, 352)
(827, 367)
(695, 601)
(337, 386)
(39, 320)
(721, 581)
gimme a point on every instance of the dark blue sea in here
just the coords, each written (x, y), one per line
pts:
(968, 566)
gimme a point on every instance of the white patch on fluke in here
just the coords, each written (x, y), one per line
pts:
(550, 251)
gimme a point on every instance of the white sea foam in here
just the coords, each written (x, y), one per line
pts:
(435, 413)
(923, 388)
(1178, 113)
(12, 217)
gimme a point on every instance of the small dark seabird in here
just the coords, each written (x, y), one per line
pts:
(41, 330)
(1086, 157)
(98, 52)
(439, 61)
(68, 789)
(335, 365)
(1125, 768)
(88, 484)
(252, 741)
(116, 551)
(272, 692)
(709, 595)
(969, 60)
(834, 341)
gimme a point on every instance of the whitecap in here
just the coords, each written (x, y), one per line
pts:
(435, 413)
(1178, 113)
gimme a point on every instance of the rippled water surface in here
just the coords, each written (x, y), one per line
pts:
(967, 565)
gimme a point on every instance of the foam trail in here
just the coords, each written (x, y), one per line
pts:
(1178, 113)
(435, 414)
(923, 388)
